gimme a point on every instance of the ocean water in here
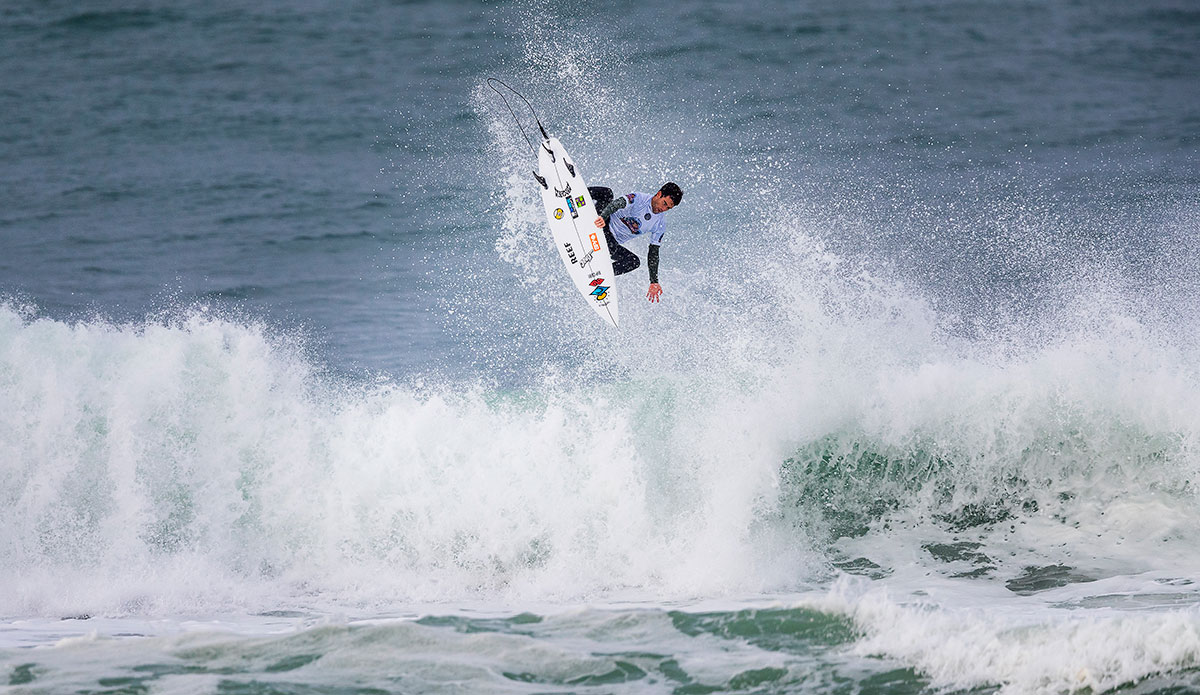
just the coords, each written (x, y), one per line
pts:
(296, 398)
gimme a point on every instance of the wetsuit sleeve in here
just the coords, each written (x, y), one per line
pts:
(652, 263)
(612, 207)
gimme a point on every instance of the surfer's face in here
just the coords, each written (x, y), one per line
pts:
(661, 203)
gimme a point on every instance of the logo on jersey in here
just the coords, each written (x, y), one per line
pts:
(633, 224)
(595, 242)
(558, 214)
(630, 197)
(647, 217)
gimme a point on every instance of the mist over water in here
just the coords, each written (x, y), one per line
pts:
(919, 409)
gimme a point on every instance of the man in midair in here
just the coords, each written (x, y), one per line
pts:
(631, 216)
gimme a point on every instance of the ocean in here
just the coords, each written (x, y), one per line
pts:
(296, 398)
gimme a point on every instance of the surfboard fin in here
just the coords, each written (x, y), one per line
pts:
(570, 167)
(547, 148)
(540, 180)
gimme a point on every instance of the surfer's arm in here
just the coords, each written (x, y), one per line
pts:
(612, 207)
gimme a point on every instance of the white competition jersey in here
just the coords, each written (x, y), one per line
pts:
(636, 219)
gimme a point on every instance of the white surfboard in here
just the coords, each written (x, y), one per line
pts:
(572, 216)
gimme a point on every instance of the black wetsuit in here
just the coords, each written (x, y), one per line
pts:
(623, 259)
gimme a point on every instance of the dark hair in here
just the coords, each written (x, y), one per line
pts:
(671, 190)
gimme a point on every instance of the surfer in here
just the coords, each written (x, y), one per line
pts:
(636, 214)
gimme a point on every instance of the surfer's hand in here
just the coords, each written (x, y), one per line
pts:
(600, 222)
(654, 292)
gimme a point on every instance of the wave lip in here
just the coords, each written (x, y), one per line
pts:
(199, 463)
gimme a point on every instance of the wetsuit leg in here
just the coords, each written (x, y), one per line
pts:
(623, 259)
(601, 196)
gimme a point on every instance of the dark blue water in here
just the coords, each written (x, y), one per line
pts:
(328, 166)
(287, 360)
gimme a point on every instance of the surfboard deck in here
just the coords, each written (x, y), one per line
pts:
(572, 214)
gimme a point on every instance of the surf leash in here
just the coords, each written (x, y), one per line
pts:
(516, 120)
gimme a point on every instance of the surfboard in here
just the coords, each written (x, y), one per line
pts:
(572, 215)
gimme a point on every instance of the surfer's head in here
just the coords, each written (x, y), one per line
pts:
(667, 197)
